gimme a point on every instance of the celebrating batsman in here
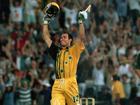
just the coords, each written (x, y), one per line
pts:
(66, 56)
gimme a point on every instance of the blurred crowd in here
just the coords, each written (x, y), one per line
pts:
(109, 68)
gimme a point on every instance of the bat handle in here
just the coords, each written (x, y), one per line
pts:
(88, 8)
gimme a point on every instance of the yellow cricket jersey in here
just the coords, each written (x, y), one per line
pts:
(117, 89)
(66, 59)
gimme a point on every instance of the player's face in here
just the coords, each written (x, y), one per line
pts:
(64, 40)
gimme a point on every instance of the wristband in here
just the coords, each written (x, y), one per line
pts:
(45, 22)
(80, 21)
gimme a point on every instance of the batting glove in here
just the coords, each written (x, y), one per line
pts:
(83, 15)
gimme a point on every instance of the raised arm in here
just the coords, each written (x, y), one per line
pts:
(50, 11)
(81, 17)
(81, 34)
(46, 34)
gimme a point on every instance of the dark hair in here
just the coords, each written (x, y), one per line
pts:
(69, 35)
(116, 77)
(124, 76)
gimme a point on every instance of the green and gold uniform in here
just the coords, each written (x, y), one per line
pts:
(65, 88)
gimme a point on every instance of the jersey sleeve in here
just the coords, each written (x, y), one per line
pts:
(79, 46)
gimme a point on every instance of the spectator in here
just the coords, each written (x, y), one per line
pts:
(1, 89)
(70, 14)
(24, 93)
(29, 11)
(99, 75)
(134, 9)
(8, 97)
(4, 11)
(34, 69)
(16, 8)
(118, 92)
(122, 6)
(127, 87)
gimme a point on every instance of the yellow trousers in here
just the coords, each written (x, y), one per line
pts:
(64, 91)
